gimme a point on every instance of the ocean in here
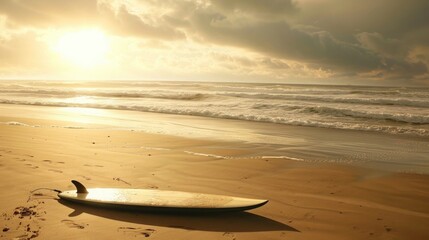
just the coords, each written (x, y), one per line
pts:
(392, 110)
(398, 114)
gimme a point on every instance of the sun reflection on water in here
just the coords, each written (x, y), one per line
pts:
(83, 114)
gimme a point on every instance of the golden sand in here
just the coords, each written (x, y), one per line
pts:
(307, 200)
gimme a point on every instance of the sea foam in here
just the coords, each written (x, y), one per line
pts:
(378, 109)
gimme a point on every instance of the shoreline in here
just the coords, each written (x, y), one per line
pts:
(308, 200)
(380, 151)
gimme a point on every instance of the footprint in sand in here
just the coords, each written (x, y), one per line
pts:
(23, 222)
(50, 161)
(73, 224)
(89, 165)
(31, 165)
(40, 196)
(229, 235)
(121, 180)
(137, 231)
(85, 177)
(55, 170)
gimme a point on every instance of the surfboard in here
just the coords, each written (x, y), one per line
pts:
(154, 200)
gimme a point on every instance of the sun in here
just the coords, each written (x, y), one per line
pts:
(84, 48)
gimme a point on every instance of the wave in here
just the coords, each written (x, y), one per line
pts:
(117, 94)
(346, 112)
(396, 117)
(240, 87)
(362, 126)
(250, 157)
(203, 95)
(331, 99)
(15, 123)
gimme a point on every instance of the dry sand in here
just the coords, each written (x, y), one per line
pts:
(307, 200)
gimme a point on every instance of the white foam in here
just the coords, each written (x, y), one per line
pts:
(206, 155)
(283, 157)
(156, 148)
(332, 99)
(16, 124)
(388, 110)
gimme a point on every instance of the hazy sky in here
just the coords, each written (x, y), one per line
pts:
(303, 41)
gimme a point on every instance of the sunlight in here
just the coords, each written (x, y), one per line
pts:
(81, 100)
(83, 114)
(85, 48)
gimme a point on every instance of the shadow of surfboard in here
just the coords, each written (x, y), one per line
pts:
(221, 222)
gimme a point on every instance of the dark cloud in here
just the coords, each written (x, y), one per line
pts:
(397, 68)
(390, 18)
(268, 8)
(281, 40)
(352, 51)
(384, 46)
(249, 63)
(395, 54)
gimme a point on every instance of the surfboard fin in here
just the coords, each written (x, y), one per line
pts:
(79, 187)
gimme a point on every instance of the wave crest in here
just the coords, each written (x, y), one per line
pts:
(263, 118)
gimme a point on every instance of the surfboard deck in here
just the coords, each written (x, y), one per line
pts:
(155, 200)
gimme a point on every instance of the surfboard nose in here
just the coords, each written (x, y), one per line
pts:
(263, 203)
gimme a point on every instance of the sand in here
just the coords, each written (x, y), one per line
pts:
(307, 200)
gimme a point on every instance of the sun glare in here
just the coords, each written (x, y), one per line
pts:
(84, 48)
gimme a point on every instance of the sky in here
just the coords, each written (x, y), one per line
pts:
(383, 42)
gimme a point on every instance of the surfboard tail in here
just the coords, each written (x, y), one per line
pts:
(79, 187)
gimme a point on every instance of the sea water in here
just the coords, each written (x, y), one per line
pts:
(387, 125)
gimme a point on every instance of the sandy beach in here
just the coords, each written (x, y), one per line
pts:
(310, 117)
(306, 200)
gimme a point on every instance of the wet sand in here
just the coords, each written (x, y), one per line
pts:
(307, 200)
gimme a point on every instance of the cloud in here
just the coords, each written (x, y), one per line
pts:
(346, 53)
(266, 8)
(279, 39)
(23, 50)
(122, 22)
(390, 18)
(43, 13)
(395, 55)
(384, 46)
(328, 38)
(115, 18)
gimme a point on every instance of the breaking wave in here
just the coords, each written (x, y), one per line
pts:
(394, 110)
(199, 111)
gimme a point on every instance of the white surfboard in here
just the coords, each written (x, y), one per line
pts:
(158, 200)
